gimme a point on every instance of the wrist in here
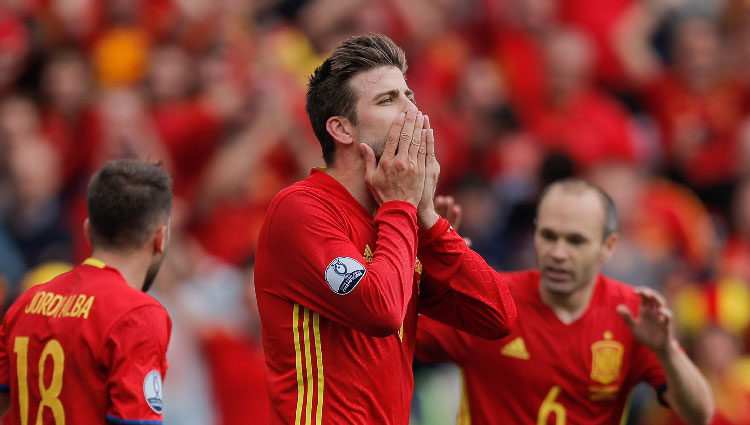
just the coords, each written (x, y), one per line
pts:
(666, 352)
(428, 218)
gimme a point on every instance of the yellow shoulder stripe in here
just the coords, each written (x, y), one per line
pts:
(94, 262)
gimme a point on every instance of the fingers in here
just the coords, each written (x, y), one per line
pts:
(457, 215)
(650, 298)
(441, 206)
(430, 143)
(407, 132)
(447, 208)
(416, 138)
(626, 315)
(394, 134)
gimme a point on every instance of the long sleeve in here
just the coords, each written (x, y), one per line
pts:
(459, 288)
(315, 263)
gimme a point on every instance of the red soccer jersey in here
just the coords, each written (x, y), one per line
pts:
(547, 372)
(85, 348)
(338, 291)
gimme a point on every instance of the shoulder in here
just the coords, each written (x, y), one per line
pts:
(303, 200)
(522, 284)
(145, 321)
(617, 292)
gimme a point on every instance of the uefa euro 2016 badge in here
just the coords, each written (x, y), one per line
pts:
(152, 391)
(343, 274)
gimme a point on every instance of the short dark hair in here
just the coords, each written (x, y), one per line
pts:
(126, 201)
(329, 93)
(579, 184)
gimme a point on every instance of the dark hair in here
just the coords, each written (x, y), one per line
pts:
(329, 93)
(579, 184)
(126, 200)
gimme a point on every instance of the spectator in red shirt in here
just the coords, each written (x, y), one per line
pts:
(575, 118)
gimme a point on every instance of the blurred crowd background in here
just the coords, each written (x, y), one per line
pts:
(648, 98)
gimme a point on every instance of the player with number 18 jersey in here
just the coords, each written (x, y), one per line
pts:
(84, 348)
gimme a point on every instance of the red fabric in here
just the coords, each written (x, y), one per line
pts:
(672, 220)
(360, 342)
(713, 117)
(501, 383)
(108, 353)
(238, 374)
(599, 19)
(76, 140)
(592, 129)
(14, 37)
(230, 229)
(521, 60)
(190, 133)
(733, 261)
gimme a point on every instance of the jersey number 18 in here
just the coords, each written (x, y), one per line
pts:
(49, 394)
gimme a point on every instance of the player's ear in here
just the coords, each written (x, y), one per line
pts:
(87, 230)
(160, 238)
(609, 246)
(341, 129)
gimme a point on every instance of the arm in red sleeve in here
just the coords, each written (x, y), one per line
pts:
(135, 351)
(310, 241)
(459, 288)
(437, 342)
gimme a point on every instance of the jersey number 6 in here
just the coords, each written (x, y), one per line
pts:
(49, 394)
(549, 406)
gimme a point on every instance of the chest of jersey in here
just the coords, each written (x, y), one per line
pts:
(559, 374)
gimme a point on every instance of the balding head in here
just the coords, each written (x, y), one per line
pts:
(578, 186)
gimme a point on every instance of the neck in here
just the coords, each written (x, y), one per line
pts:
(569, 307)
(350, 173)
(132, 265)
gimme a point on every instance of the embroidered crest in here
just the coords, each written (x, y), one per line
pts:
(152, 391)
(343, 274)
(606, 359)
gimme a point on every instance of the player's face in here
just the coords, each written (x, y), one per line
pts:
(568, 240)
(382, 94)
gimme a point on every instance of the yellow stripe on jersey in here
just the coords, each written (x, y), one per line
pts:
(464, 414)
(94, 262)
(319, 357)
(308, 363)
(298, 353)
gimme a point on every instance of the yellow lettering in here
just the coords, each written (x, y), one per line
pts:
(77, 307)
(39, 309)
(86, 308)
(550, 406)
(54, 305)
(66, 307)
(34, 301)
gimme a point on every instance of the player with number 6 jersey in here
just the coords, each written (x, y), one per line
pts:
(582, 341)
(89, 347)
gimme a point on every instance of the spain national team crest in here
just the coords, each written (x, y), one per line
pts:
(606, 359)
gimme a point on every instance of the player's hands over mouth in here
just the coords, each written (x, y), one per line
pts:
(653, 325)
(426, 214)
(400, 173)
